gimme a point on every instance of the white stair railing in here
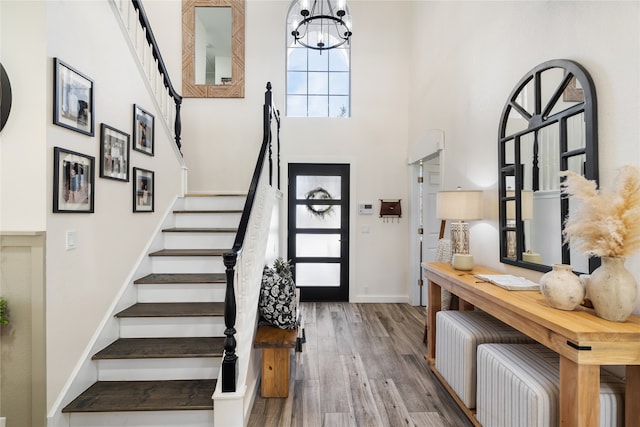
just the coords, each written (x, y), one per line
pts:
(142, 43)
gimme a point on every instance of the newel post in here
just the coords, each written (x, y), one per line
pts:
(229, 370)
(177, 126)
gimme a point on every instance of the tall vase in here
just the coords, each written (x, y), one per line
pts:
(561, 288)
(613, 290)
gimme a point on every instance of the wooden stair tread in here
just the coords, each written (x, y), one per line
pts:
(199, 230)
(171, 395)
(174, 309)
(186, 278)
(156, 348)
(189, 252)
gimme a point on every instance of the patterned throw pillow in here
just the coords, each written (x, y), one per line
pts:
(277, 303)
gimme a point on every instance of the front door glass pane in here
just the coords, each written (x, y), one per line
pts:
(326, 274)
(318, 187)
(318, 216)
(318, 245)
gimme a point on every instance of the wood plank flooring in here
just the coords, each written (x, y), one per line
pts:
(362, 366)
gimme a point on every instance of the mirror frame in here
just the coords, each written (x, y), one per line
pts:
(539, 120)
(236, 88)
(5, 97)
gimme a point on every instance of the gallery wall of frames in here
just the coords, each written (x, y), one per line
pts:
(74, 172)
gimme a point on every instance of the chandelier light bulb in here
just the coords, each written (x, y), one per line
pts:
(304, 8)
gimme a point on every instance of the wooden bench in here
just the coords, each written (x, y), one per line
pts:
(276, 345)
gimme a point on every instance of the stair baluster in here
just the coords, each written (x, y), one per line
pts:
(229, 371)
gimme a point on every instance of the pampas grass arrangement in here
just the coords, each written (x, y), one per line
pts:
(604, 223)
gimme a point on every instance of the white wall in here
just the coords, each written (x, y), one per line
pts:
(82, 283)
(23, 180)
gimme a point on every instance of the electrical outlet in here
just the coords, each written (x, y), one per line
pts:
(70, 240)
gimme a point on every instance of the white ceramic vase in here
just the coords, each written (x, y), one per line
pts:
(561, 288)
(613, 290)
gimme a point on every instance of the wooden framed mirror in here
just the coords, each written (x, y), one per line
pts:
(548, 125)
(213, 48)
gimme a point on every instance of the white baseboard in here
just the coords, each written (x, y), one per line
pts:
(381, 299)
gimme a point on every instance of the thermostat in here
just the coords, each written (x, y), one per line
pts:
(365, 208)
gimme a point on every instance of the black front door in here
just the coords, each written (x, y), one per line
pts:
(318, 238)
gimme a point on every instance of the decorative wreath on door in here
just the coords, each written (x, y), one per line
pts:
(319, 193)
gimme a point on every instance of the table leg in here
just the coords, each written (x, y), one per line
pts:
(435, 304)
(579, 394)
(465, 306)
(632, 397)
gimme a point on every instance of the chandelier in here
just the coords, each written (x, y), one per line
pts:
(320, 24)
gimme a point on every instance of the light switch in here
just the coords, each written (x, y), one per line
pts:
(71, 240)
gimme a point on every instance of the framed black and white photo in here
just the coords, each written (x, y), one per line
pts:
(143, 130)
(73, 99)
(143, 190)
(114, 153)
(73, 181)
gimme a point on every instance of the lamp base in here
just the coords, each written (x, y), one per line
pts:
(462, 262)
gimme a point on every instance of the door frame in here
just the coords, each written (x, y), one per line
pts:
(342, 293)
(428, 145)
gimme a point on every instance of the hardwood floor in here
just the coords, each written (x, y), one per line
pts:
(362, 366)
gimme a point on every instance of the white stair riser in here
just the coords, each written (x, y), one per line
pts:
(211, 203)
(193, 368)
(160, 327)
(187, 264)
(143, 419)
(211, 220)
(187, 240)
(192, 292)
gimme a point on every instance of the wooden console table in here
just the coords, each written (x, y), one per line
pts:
(583, 340)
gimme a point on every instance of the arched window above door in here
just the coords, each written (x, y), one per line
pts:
(318, 81)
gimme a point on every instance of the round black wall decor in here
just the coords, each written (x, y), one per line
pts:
(5, 97)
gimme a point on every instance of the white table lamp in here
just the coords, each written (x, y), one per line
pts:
(460, 206)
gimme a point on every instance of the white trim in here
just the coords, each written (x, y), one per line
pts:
(427, 146)
(381, 299)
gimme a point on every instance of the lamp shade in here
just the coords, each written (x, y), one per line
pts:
(460, 205)
(526, 205)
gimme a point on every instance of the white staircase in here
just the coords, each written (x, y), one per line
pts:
(162, 369)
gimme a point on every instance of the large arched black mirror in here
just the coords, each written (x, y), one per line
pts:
(548, 125)
(5, 97)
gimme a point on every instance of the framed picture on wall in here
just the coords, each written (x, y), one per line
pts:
(143, 130)
(73, 181)
(143, 190)
(114, 153)
(73, 98)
